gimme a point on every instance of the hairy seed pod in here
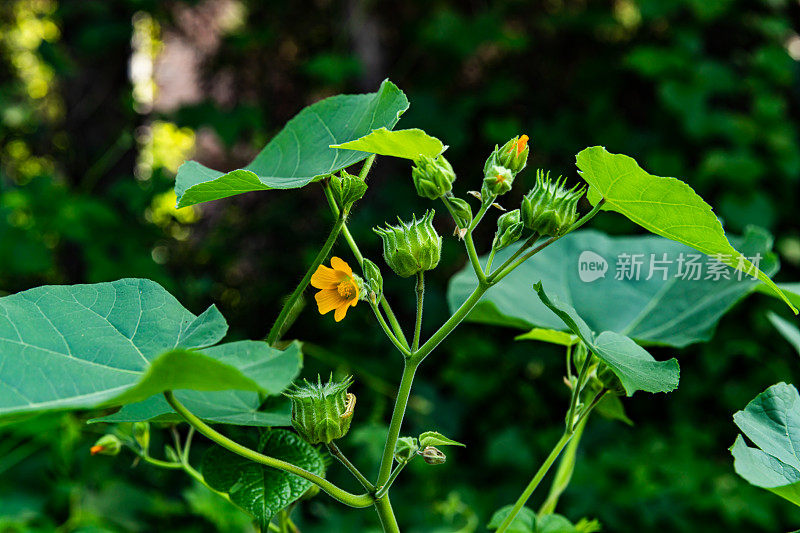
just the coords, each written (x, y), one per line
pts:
(412, 247)
(347, 188)
(433, 455)
(373, 281)
(322, 412)
(549, 208)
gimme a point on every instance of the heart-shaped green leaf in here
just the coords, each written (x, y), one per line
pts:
(668, 308)
(408, 144)
(772, 422)
(524, 522)
(635, 368)
(300, 153)
(664, 206)
(78, 346)
(260, 490)
(273, 370)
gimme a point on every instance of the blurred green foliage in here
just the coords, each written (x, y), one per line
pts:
(708, 91)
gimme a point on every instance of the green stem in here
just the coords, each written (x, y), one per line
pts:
(336, 452)
(563, 475)
(396, 472)
(277, 327)
(420, 297)
(576, 392)
(403, 392)
(397, 344)
(347, 498)
(527, 244)
(473, 257)
(451, 323)
(479, 216)
(503, 272)
(386, 515)
(537, 478)
(366, 166)
(488, 267)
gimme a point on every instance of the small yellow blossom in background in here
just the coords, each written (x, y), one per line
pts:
(338, 288)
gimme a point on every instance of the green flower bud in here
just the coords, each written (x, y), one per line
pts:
(514, 154)
(322, 413)
(497, 180)
(549, 208)
(509, 229)
(413, 247)
(373, 281)
(106, 445)
(433, 176)
(433, 455)
(141, 434)
(347, 188)
(405, 449)
(462, 212)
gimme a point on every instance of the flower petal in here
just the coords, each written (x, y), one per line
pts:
(341, 266)
(328, 300)
(340, 312)
(326, 278)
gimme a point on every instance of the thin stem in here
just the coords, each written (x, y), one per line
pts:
(159, 463)
(365, 167)
(503, 272)
(336, 452)
(473, 257)
(348, 237)
(397, 344)
(386, 515)
(479, 216)
(576, 392)
(277, 327)
(450, 324)
(563, 475)
(569, 362)
(537, 478)
(347, 498)
(396, 472)
(488, 267)
(403, 392)
(420, 298)
(527, 244)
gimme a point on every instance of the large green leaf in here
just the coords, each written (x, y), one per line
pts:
(300, 153)
(635, 368)
(671, 311)
(75, 346)
(524, 522)
(664, 206)
(273, 370)
(408, 144)
(772, 422)
(260, 490)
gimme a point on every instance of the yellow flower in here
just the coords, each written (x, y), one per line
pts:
(338, 288)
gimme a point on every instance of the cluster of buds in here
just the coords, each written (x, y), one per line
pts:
(433, 176)
(503, 165)
(550, 208)
(410, 248)
(322, 412)
(347, 189)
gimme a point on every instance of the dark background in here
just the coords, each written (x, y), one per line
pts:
(706, 91)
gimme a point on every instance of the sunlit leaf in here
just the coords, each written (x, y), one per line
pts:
(664, 206)
(548, 335)
(433, 438)
(300, 153)
(409, 144)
